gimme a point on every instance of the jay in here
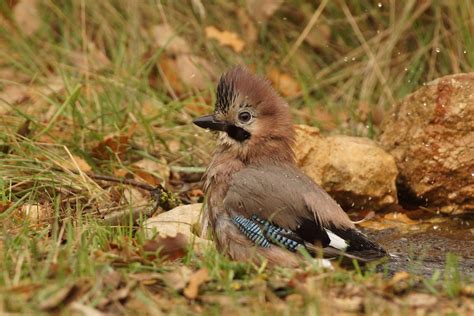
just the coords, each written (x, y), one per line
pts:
(259, 204)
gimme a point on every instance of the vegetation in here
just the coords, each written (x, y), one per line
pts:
(93, 92)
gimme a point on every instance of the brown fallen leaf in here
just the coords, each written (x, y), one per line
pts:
(11, 95)
(195, 281)
(76, 162)
(35, 213)
(262, 10)
(27, 16)
(284, 83)
(350, 304)
(319, 36)
(151, 171)
(133, 196)
(57, 297)
(170, 248)
(225, 38)
(110, 146)
(178, 278)
(420, 300)
(4, 206)
(194, 71)
(250, 32)
(166, 38)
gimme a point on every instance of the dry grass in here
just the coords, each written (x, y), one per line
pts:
(100, 94)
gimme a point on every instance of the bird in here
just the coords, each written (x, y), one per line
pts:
(259, 205)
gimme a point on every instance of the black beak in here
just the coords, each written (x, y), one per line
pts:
(210, 122)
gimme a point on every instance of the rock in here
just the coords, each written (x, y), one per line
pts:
(353, 170)
(431, 135)
(183, 219)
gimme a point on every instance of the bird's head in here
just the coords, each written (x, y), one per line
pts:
(253, 120)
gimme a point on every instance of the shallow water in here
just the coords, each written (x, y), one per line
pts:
(421, 247)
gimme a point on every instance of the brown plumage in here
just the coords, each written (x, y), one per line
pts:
(253, 172)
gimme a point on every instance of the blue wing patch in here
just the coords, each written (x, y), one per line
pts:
(262, 232)
(251, 230)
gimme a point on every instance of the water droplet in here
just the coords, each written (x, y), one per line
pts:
(406, 69)
(353, 58)
(379, 5)
(346, 59)
(472, 174)
(285, 18)
(424, 103)
(435, 227)
(465, 52)
(437, 50)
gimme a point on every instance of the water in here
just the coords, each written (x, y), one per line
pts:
(421, 248)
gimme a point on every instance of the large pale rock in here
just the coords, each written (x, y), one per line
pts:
(354, 170)
(431, 135)
(183, 219)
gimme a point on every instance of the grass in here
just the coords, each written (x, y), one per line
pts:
(93, 70)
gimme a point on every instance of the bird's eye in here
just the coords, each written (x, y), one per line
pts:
(245, 116)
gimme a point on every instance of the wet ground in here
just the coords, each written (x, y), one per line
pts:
(421, 245)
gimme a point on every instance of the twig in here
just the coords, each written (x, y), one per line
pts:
(131, 182)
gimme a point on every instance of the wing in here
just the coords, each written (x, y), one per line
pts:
(288, 199)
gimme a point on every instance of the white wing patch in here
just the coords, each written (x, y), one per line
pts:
(336, 241)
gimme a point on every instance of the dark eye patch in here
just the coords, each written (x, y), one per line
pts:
(238, 133)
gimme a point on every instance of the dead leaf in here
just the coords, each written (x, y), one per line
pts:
(319, 36)
(248, 27)
(133, 196)
(166, 38)
(197, 106)
(75, 163)
(174, 146)
(198, 278)
(91, 60)
(111, 146)
(225, 38)
(35, 213)
(349, 304)
(85, 309)
(186, 70)
(58, 296)
(284, 83)
(27, 16)
(170, 248)
(194, 71)
(178, 278)
(179, 220)
(399, 282)
(420, 300)
(399, 276)
(262, 10)
(295, 299)
(168, 65)
(11, 95)
(151, 172)
(4, 206)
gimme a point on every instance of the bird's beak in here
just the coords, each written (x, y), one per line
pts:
(210, 122)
